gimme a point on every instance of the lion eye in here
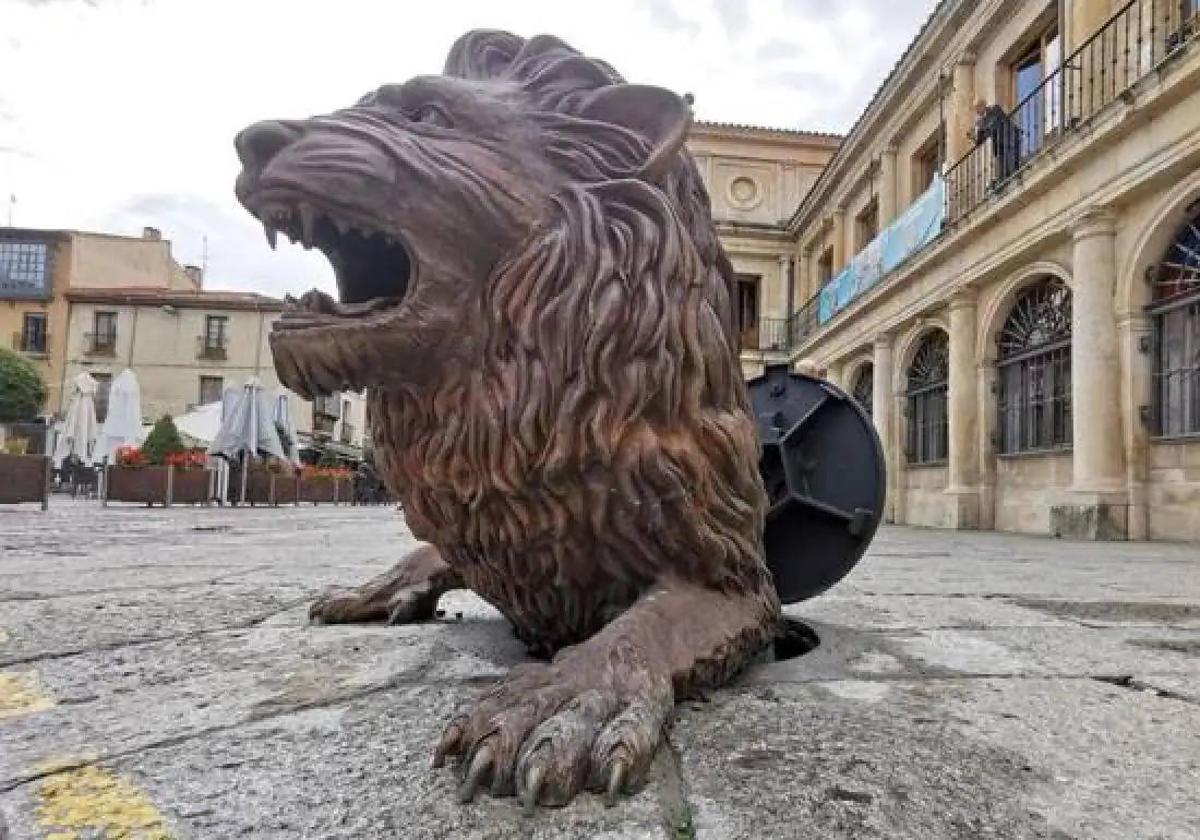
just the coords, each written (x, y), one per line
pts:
(432, 115)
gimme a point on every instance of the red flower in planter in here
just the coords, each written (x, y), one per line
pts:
(130, 456)
(191, 459)
(325, 472)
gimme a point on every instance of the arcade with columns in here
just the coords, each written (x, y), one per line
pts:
(1031, 356)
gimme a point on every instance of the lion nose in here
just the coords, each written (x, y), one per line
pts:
(257, 144)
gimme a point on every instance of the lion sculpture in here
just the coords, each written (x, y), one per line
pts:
(532, 291)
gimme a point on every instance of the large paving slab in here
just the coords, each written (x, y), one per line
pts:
(158, 679)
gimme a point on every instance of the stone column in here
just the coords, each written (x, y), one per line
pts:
(887, 186)
(778, 302)
(960, 111)
(1135, 337)
(986, 390)
(1098, 505)
(962, 404)
(881, 412)
(804, 271)
(838, 234)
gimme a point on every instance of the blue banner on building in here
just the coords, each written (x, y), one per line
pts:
(915, 228)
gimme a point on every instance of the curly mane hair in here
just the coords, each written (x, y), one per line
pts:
(604, 440)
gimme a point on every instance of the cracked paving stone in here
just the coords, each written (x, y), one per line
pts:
(966, 685)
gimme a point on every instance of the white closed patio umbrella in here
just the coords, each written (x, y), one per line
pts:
(123, 425)
(79, 428)
(247, 428)
(283, 420)
(199, 426)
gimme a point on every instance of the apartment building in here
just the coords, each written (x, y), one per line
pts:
(35, 267)
(77, 301)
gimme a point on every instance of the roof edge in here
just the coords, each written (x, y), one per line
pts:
(943, 9)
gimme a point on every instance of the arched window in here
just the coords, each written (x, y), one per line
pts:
(1176, 312)
(928, 384)
(1034, 364)
(863, 390)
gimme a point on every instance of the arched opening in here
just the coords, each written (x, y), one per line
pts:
(1175, 310)
(928, 380)
(863, 387)
(1034, 370)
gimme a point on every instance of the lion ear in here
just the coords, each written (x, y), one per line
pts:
(653, 112)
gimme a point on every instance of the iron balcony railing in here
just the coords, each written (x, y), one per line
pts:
(100, 344)
(805, 321)
(767, 335)
(211, 347)
(31, 342)
(1134, 41)
(1130, 46)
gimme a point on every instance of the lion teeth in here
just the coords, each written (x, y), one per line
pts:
(271, 234)
(308, 220)
(343, 227)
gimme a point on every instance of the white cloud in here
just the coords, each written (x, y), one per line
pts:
(121, 113)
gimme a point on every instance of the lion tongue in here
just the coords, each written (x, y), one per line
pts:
(316, 302)
(368, 306)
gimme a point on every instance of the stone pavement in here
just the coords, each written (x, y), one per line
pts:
(158, 680)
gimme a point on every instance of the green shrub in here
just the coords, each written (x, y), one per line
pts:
(162, 441)
(22, 391)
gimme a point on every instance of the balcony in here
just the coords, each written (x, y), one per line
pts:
(1132, 45)
(100, 344)
(33, 343)
(323, 424)
(767, 335)
(212, 348)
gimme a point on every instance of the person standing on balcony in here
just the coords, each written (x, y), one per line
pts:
(992, 123)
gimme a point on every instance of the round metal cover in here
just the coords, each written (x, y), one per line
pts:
(823, 468)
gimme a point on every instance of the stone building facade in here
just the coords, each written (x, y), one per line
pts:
(77, 301)
(1002, 262)
(756, 177)
(39, 267)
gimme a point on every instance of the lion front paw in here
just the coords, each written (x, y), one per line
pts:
(546, 732)
(407, 592)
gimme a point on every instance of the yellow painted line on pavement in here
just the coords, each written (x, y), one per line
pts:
(93, 802)
(21, 693)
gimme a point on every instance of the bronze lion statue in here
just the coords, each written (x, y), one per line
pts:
(532, 291)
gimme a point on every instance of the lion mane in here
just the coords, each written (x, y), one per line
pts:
(604, 437)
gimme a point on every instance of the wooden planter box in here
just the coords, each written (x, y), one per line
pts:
(157, 485)
(317, 490)
(24, 478)
(191, 487)
(268, 488)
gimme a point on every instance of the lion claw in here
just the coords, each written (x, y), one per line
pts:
(481, 766)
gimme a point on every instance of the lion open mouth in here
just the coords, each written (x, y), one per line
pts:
(374, 269)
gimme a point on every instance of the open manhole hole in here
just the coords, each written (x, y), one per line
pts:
(793, 639)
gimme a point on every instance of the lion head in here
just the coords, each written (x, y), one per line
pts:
(419, 191)
(532, 289)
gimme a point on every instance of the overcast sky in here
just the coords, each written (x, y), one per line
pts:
(115, 114)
